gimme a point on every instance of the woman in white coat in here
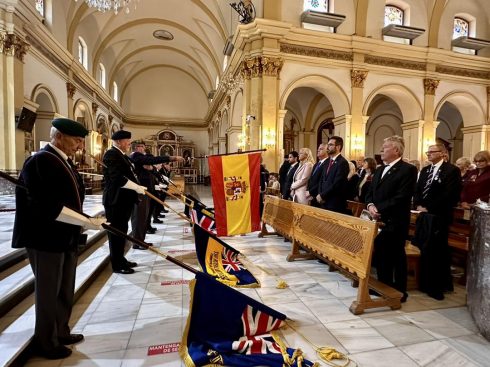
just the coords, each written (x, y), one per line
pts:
(301, 176)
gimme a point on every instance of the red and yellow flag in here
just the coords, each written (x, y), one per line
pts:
(235, 182)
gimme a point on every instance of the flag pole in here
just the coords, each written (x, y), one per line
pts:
(234, 153)
(12, 180)
(151, 248)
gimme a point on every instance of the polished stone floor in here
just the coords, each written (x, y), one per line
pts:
(126, 317)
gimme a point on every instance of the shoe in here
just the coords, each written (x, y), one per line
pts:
(151, 231)
(164, 211)
(156, 220)
(124, 271)
(131, 264)
(161, 216)
(71, 339)
(149, 243)
(58, 352)
(404, 297)
(138, 247)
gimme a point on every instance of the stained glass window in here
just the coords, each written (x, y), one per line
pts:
(461, 28)
(393, 15)
(40, 7)
(316, 5)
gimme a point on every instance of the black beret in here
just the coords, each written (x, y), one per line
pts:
(121, 134)
(69, 127)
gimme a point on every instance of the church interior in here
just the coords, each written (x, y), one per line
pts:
(195, 78)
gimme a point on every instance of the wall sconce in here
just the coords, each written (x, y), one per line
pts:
(269, 140)
(357, 145)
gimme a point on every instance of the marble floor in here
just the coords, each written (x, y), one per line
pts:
(138, 319)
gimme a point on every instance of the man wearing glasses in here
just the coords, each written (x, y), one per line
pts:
(436, 194)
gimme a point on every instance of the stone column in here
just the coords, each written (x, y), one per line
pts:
(261, 100)
(430, 125)
(280, 137)
(343, 126)
(12, 51)
(356, 135)
(412, 133)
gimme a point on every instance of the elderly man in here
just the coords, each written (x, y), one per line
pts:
(120, 195)
(48, 224)
(389, 200)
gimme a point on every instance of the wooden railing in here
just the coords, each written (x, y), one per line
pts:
(342, 240)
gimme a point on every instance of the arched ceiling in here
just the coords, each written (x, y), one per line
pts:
(133, 58)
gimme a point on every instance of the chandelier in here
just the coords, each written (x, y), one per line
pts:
(109, 5)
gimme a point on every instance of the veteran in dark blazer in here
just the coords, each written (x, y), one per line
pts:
(293, 166)
(332, 193)
(389, 200)
(438, 191)
(52, 189)
(120, 195)
(316, 175)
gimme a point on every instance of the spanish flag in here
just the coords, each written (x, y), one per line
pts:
(235, 182)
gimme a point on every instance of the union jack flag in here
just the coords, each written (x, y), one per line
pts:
(198, 217)
(226, 327)
(230, 261)
(220, 260)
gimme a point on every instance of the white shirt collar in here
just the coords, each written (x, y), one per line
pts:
(323, 160)
(437, 166)
(119, 149)
(393, 163)
(335, 157)
(59, 151)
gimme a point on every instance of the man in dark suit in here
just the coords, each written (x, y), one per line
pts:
(283, 172)
(120, 194)
(48, 223)
(332, 193)
(316, 175)
(293, 166)
(141, 214)
(389, 200)
(437, 193)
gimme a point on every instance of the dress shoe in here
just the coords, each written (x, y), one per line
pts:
(58, 352)
(131, 264)
(138, 247)
(124, 271)
(156, 220)
(151, 231)
(164, 211)
(71, 339)
(404, 297)
(161, 216)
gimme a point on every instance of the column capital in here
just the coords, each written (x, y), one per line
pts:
(343, 119)
(95, 107)
(13, 45)
(475, 129)
(110, 118)
(358, 77)
(258, 66)
(412, 124)
(281, 113)
(70, 89)
(430, 86)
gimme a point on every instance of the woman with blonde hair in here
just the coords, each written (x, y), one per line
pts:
(301, 176)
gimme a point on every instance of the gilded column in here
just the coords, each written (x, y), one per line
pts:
(355, 135)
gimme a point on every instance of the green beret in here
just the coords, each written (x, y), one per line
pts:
(69, 127)
(121, 134)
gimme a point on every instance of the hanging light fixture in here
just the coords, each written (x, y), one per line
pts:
(110, 5)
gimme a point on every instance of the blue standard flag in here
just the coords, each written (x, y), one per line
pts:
(228, 328)
(220, 260)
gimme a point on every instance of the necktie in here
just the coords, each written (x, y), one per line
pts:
(426, 189)
(386, 169)
(316, 167)
(330, 164)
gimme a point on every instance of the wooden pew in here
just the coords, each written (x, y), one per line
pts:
(343, 240)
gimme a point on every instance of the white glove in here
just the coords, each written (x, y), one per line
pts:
(166, 178)
(70, 216)
(135, 187)
(158, 188)
(163, 186)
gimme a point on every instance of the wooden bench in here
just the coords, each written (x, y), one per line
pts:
(343, 240)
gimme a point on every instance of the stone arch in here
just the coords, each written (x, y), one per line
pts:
(467, 104)
(48, 108)
(236, 110)
(83, 114)
(44, 89)
(406, 100)
(329, 88)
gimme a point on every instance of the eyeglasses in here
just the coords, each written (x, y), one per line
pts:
(479, 161)
(432, 151)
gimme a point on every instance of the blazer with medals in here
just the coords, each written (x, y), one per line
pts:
(118, 169)
(333, 184)
(392, 194)
(51, 184)
(444, 191)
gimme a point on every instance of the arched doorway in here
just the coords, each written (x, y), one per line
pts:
(449, 130)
